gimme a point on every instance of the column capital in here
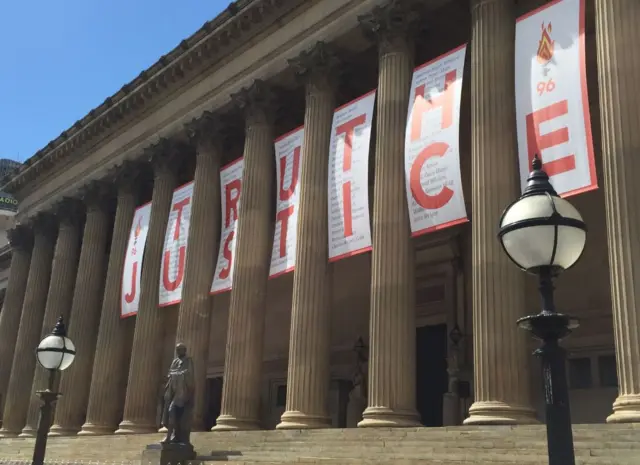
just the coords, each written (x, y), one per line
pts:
(257, 102)
(391, 24)
(97, 195)
(163, 155)
(127, 174)
(317, 67)
(20, 237)
(69, 211)
(44, 223)
(207, 131)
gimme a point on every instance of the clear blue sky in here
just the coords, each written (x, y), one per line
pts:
(60, 59)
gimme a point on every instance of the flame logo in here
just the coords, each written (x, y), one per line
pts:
(138, 228)
(545, 45)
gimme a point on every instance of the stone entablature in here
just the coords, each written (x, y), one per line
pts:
(307, 22)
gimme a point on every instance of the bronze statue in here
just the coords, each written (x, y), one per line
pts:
(178, 398)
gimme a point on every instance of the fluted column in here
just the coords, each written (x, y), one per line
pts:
(85, 312)
(194, 316)
(309, 341)
(112, 355)
(392, 324)
(19, 388)
(617, 36)
(146, 356)
(70, 214)
(501, 361)
(21, 240)
(245, 334)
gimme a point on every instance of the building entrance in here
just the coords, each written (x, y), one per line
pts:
(213, 402)
(431, 372)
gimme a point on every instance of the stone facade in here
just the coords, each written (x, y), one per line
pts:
(285, 350)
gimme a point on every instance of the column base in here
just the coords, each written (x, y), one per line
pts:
(28, 432)
(297, 420)
(59, 431)
(500, 413)
(626, 409)
(231, 423)
(384, 417)
(129, 427)
(5, 433)
(90, 429)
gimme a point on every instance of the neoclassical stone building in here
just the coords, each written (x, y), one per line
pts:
(427, 322)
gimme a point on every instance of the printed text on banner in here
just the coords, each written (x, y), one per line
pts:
(130, 292)
(432, 149)
(348, 202)
(552, 105)
(230, 190)
(174, 254)
(288, 150)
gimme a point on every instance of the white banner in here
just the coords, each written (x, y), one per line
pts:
(432, 148)
(230, 190)
(174, 254)
(288, 149)
(130, 291)
(348, 203)
(552, 104)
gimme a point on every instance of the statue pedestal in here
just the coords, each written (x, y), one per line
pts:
(169, 454)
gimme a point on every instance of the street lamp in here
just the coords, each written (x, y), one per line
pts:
(55, 353)
(544, 235)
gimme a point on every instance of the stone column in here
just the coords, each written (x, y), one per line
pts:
(146, 357)
(21, 240)
(617, 35)
(85, 311)
(392, 324)
(70, 214)
(111, 361)
(18, 390)
(501, 361)
(309, 341)
(194, 317)
(245, 335)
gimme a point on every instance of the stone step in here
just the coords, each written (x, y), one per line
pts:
(352, 461)
(595, 445)
(417, 443)
(433, 434)
(450, 458)
(356, 461)
(366, 450)
(451, 453)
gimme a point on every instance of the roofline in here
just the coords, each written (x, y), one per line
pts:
(215, 39)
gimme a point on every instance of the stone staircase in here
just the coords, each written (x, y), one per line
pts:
(519, 445)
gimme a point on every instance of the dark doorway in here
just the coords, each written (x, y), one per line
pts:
(431, 372)
(213, 402)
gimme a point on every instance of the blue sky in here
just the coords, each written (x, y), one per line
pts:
(60, 59)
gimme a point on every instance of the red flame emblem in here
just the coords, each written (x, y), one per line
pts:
(545, 45)
(136, 233)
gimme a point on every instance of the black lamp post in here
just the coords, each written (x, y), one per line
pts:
(544, 235)
(55, 353)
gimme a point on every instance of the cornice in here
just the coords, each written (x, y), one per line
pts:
(217, 38)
